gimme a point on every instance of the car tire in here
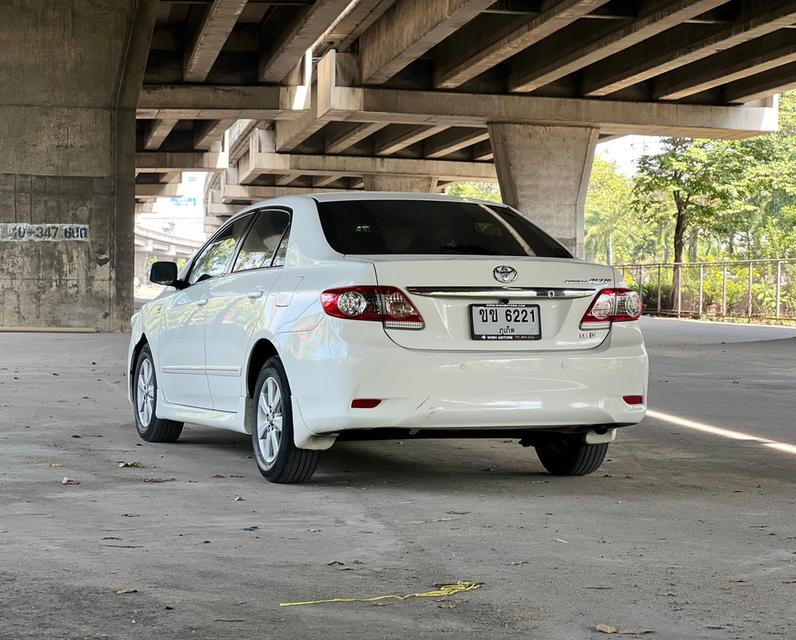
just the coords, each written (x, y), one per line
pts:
(570, 455)
(278, 458)
(145, 399)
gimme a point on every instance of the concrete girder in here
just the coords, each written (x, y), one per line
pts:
(762, 86)
(470, 52)
(348, 135)
(210, 38)
(246, 193)
(286, 179)
(325, 181)
(164, 162)
(677, 48)
(400, 137)
(159, 130)
(210, 131)
(156, 190)
(288, 48)
(453, 109)
(530, 71)
(219, 102)
(753, 58)
(325, 165)
(407, 30)
(361, 15)
(482, 151)
(453, 140)
(414, 184)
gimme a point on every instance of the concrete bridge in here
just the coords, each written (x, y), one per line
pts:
(106, 102)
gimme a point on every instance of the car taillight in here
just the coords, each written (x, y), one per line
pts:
(389, 305)
(612, 305)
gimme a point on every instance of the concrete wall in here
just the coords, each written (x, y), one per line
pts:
(71, 71)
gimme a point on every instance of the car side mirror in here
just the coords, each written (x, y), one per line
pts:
(163, 272)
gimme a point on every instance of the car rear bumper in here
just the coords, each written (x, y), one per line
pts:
(421, 389)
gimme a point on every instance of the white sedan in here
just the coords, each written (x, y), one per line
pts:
(306, 320)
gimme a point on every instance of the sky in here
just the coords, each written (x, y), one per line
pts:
(625, 151)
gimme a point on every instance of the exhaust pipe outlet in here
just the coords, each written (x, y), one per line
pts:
(600, 436)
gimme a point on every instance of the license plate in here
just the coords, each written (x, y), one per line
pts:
(505, 322)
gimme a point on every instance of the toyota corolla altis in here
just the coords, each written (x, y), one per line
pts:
(307, 320)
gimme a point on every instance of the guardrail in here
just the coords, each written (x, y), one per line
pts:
(742, 289)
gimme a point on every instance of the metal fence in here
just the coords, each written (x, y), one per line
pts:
(744, 289)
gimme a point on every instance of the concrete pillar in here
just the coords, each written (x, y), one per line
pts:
(72, 71)
(415, 184)
(544, 172)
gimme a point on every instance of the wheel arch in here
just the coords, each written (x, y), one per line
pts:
(139, 346)
(262, 350)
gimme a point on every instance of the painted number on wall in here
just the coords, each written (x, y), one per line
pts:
(14, 232)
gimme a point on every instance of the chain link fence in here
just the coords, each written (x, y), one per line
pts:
(743, 289)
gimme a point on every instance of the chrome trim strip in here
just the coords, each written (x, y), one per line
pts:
(501, 292)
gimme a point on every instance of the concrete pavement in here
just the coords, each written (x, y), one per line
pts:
(684, 532)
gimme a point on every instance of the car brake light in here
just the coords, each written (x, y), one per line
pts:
(612, 305)
(633, 399)
(388, 305)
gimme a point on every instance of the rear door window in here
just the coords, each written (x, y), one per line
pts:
(432, 227)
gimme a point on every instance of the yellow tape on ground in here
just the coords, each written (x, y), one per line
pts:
(442, 591)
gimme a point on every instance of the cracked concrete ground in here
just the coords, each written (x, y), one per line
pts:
(686, 533)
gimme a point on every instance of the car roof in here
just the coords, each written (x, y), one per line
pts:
(344, 196)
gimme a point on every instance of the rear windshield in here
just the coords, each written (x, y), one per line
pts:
(376, 227)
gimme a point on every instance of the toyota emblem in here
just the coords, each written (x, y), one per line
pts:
(504, 273)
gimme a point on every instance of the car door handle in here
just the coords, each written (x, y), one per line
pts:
(201, 302)
(257, 293)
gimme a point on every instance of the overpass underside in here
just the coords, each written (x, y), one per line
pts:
(108, 102)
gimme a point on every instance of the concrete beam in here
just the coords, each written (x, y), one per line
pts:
(453, 140)
(471, 51)
(544, 172)
(443, 108)
(530, 70)
(482, 151)
(171, 176)
(761, 86)
(158, 132)
(219, 102)
(677, 48)
(157, 190)
(325, 181)
(286, 179)
(361, 15)
(164, 162)
(413, 184)
(407, 30)
(210, 131)
(326, 165)
(394, 140)
(289, 46)
(291, 134)
(347, 136)
(210, 38)
(756, 57)
(243, 193)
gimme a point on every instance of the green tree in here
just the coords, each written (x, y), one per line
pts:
(477, 190)
(689, 182)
